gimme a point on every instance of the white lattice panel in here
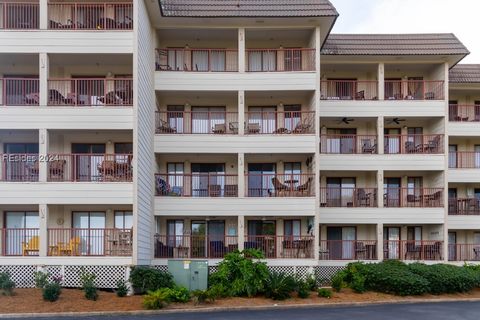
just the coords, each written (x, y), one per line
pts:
(23, 276)
(163, 268)
(324, 274)
(107, 276)
(288, 270)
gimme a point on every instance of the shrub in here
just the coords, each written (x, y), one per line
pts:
(88, 285)
(358, 283)
(338, 281)
(204, 296)
(51, 291)
(241, 274)
(325, 293)
(303, 291)
(179, 294)
(145, 279)
(6, 284)
(122, 288)
(279, 286)
(444, 278)
(41, 279)
(157, 299)
(311, 282)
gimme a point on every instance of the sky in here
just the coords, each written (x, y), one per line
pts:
(460, 17)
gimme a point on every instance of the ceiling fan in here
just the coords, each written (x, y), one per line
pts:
(345, 120)
(395, 120)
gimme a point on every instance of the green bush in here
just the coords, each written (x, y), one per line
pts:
(303, 291)
(88, 285)
(325, 293)
(358, 283)
(311, 282)
(122, 288)
(179, 294)
(338, 280)
(145, 279)
(6, 284)
(205, 296)
(241, 274)
(51, 291)
(279, 286)
(41, 279)
(157, 299)
(444, 278)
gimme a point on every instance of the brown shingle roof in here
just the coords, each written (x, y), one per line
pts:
(247, 8)
(393, 44)
(465, 73)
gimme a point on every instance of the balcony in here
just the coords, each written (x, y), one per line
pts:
(349, 90)
(464, 113)
(464, 160)
(19, 92)
(80, 92)
(279, 185)
(196, 122)
(194, 246)
(464, 206)
(280, 122)
(280, 60)
(414, 90)
(463, 252)
(196, 60)
(90, 16)
(89, 167)
(348, 144)
(424, 250)
(413, 198)
(348, 250)
(19, 15)
(20, 241)
(348, 197)
(89, 242)
(19, 167)
(196, 185)
(414, 144)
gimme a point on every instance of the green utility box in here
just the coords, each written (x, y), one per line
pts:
(191, 274)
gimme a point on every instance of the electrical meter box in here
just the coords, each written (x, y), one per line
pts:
(191, 274)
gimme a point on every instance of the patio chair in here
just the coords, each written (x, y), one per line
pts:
(412, 198)
(429, 95)
(165, 127)
(413, 250)
(111, 99)
(31, 247)
(280, 188)
(231, 190)
(214, 190)
(233, 127)
(56, 170)
(107, 170)
(410, 147)
(304, 188)
(161, 186)
(367, 146)
(302, 127)
(360, 250)
(360, 95)
(432, 145)
(253, 128)
(219, 128)
(363, 198)
(72, 248)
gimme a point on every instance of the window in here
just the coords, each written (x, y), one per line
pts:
(206, 118)
(261, 228)
(206, 178)
(414, 233)
(340, 192)
(260, 177)
(293, 59)
(293, 116)
(20, 227)
(343, 89)
(123, 219)
(341, 141)
(90, 228)
(175, 233)
(175, 178)
(292, 229)
(452, 156)
(262, 119)
(175, 118)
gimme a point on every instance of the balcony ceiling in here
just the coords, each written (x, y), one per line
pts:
(89, 59)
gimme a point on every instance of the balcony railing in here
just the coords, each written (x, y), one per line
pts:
(348, 197)
(464, 206)
(348, 250)
(90, 92)
(196, 122)
(196, 185)
(413, 250)
(90, 242)
(19, 92)
(464, 113)
(91, 16)
(280, 185)
(414, 90)
(348, 144)
(16, 15)
(280, 122)
(414, 144)
(463, 252)
(349, 90)
(283, 60)
(89, 167)
(197, 60)
(194, 246)
(19, 167)
(464, 160)
(283, 247)
(20, 241)
(413, 197)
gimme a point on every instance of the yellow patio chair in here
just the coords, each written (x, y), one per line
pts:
(71, 248)
(32, 246)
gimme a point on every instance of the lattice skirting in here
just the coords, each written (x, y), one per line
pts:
(107, 276)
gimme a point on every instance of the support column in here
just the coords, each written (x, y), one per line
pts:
(42, 151)
(43, 79)
(380, 241)
(43, 233)
(241, 50)
(43, 14)
(380, 135)
(241, 175)
(380, 190)
(241, 232)
(381, 81)
(241, 113)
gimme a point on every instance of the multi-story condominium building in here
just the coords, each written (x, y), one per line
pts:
(134, 132)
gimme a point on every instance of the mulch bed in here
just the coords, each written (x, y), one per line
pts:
(73, 300)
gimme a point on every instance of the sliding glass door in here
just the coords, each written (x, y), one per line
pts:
(21, 228)
(91, 231)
